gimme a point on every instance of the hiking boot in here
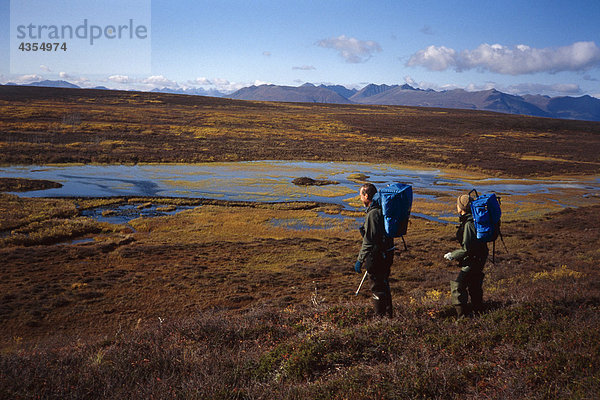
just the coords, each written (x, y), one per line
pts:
(389, 310)
(477, 309)
(379, 304)
(461, 312)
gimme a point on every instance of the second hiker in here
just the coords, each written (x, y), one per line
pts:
(471, 258)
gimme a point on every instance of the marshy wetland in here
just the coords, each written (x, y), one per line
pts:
(331, 182)
(227, 280)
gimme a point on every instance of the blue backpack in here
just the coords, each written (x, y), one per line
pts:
(486, 216)
(396, 202)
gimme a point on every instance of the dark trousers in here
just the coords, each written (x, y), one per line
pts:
(379, 264)
(468, 284)
(382, 295)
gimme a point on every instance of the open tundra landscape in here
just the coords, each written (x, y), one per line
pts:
(158, 245)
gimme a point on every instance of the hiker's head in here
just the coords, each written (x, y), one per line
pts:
(367, 191)
(462, 204)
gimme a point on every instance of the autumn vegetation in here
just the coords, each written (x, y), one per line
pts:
(49, 125)
(242, 300)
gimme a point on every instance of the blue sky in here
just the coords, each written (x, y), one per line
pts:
(547, 47)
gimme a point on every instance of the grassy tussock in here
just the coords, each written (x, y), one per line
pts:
(52, 231)
(210, 223)
(16, 211)
(219, 302)
(38, 221)
(24, 185)
(519, 350)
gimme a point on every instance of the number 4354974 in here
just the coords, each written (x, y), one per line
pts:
(27, 46)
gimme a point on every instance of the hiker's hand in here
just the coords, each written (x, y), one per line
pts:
(357, 267)
(448, 256)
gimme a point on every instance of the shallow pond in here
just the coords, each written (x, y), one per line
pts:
(271, 181)
(123, 213)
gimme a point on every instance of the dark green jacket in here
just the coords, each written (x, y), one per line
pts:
(375, 241)
(473, 252)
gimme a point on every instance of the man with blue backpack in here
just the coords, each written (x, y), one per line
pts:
(377, 251)
(387, 217)
(473, 234)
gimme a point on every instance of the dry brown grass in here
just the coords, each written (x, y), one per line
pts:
(218, 301)
(45, 125)
(230, 300)
(236, 255)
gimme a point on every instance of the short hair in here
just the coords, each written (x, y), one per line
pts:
(369, 189)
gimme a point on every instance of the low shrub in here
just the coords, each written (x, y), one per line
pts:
(528, 350)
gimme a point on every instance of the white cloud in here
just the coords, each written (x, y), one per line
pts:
(259, 82)
(24, 79)
(45, 68)
(434, 58)
(560, 89)
(219, 82)
(429, 85)
(476, 87)
(222, 85)
(119, 79)
(304, 68)
(200, 82)
(78, 80)
(351, 49)
(501, 59)
(408, 79)
(160, 81)
(267, 53)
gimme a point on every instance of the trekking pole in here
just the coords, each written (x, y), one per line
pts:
(494, 250)
(361, 283)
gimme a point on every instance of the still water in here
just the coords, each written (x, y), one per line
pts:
(265, 181)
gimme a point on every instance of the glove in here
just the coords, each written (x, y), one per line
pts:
(357, 267)
(448, 256)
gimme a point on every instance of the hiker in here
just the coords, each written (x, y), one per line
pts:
(471, 258)
(377, 251)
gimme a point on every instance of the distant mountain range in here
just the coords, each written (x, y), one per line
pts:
(307, 93)
(580, 108)
(55, 84)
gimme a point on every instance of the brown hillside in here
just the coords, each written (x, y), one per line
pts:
(49, 125)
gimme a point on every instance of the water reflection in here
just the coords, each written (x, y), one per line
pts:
(123, 213)
(268, 181)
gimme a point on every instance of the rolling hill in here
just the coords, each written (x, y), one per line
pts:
(584, 108)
